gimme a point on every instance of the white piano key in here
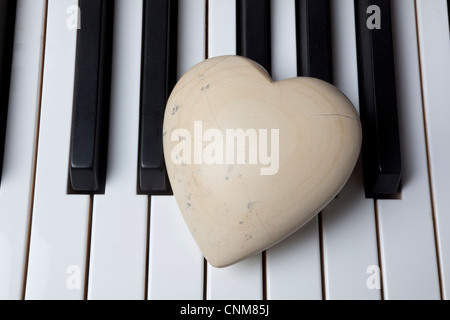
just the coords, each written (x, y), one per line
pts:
(293, 266)
(407, 241)
(117, 268)
(175, 262)
(350, 256)
(18, 173)
(59, 230)
(284, 40)
(191, 34)
(221, 28)
(434, 41)
(243, 280)
(348, 222)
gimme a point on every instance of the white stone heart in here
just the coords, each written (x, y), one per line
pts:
(250, 160)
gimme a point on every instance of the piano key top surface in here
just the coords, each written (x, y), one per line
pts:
(314, 39)
(57, 256)
(159, 66)
(448, 9)
(349, 235)
(91, 96)
(20, 146)
(253, 31)
(244, 279)
(176, 266)
(7, 24)
(118, 245)
(378, 100)
(434, 48)
(293, 268)
(407, 243)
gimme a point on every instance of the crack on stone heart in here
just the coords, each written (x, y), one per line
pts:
(202, 75)
(251, 206)
(334, 115)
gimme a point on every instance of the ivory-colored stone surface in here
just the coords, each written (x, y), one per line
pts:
(238, 206)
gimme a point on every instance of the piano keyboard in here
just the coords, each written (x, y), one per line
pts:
(127, 239)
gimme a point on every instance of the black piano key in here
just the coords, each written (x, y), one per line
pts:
(253, 31)
(448, 10)
(7, 25)
(91, 96)
(314, 39)
(378, 102)
(159, 65)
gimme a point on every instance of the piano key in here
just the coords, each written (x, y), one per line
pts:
(313, 39)
(91, 96)
(253, 31)
(118, 248)
(191, 35)
(406, 231)
(434, 45)
(348, 223)
(312, 58)
(448, 9)
(243, 280)
(221, 28)
(378, 105)
(7, 23)
(293, 266)
(176, 263)
(59, 226)
(15, 191)
(283, 35)
(159, 62)
(176, 266)
(252, 41)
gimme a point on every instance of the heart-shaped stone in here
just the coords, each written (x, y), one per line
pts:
(250, 160)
